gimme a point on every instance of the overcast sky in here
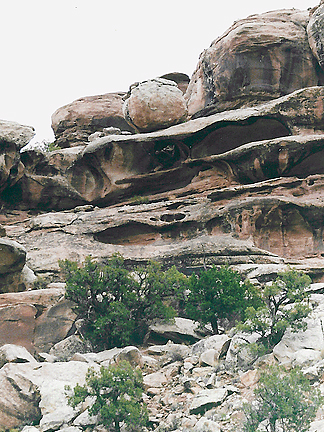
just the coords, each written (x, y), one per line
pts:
(56, 51)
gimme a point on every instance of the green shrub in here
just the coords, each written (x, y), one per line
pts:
(283, 402)
(116, 392)
(116, 305)
(284, 305)
(216, 294)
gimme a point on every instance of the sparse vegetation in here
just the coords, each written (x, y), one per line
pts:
(139, 199)
(117, 305)
(116, 393)
(285, 402)
(216, 294)
(284, 305)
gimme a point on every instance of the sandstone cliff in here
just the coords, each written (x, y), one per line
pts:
(228, 168)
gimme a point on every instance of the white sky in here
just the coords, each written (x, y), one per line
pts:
(56, 51)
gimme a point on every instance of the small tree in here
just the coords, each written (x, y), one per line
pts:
(216, 294)
(117, 305)
(283, 402)
(117, 397)
(284, 305)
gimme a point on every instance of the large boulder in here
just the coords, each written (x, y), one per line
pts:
(155, 104)
(75, 122)
(35, 319)
(259, 58)
(315, 31)
(15, 133)
(38, 394)
(13, 136)
(12, 256)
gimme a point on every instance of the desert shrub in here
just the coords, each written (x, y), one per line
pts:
(116, 393)
(284, 305)
(284, 401)
(216, 294)
(116, 305)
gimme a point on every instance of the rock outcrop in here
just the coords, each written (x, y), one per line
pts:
(259, 58)
(240, 183)
(13, 136)
(155, 104)
(73, 123)
(176, 378)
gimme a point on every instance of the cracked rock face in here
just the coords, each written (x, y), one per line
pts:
(75, 122)
(155, 104)
(259, 58)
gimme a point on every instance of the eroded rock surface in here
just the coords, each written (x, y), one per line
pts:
(155, 104)
(259, 58)
(73, 123)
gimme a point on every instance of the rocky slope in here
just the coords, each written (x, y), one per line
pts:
(226, 168)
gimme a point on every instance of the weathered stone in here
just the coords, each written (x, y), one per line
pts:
(15, 133)
(17, 325)
(19, 399)
(206, 425)
(155, 104)
(207, 399)
(181, 79)
(181, 330)
(53, 325)
(218, 343)
(66, 348)
(73, 123)
(259, 58)
(12, 256)
(155, 379)
(315, 31)
(118, 167)
(11, 168)
(36, 319)
(131, 354)
(50, 380)
(250, 378)
(209, 357)
(10, 353)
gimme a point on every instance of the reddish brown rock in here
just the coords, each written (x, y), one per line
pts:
(259, 58)
(115, 168)
(73, 123)
(181, 79)
(36, 319)
(315, 31)
(155, 104)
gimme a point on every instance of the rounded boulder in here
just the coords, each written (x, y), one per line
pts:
(155, 104)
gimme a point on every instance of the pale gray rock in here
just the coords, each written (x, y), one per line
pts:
(131, 354)
(207, 399)
(155, 104)
(155, 380)
(30, 429)
(219, 343)
(48, 381)
(317, 426)
(206, 425)
(20, 396)
(209, 357)
(10, 353)
(65, 349)
(12, 132)
(303, 348)
(181, 330)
